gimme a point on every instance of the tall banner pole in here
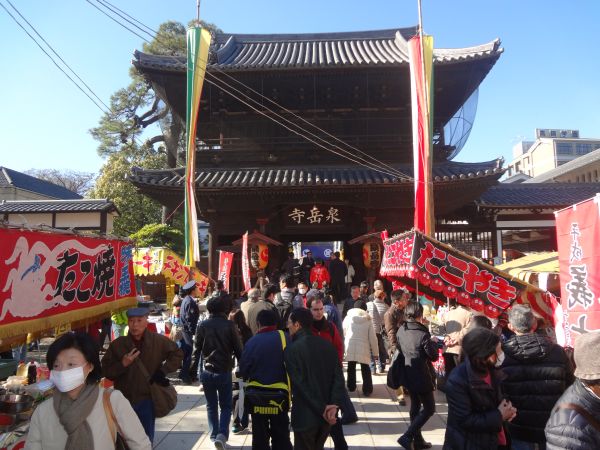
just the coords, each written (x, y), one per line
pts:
(198, 42)
(420, 52)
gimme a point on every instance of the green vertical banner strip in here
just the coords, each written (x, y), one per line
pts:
(198, 43)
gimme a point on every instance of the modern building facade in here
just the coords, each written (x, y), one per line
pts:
(551, 149)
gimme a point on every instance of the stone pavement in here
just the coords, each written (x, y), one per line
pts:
(381, 422)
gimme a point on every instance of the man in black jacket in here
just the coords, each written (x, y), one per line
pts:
(337, 271)
(189, 315)
(575, 423)
(317, 382)
(537, 372)
(217, 341)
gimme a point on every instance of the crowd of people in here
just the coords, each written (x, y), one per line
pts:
(283, 347)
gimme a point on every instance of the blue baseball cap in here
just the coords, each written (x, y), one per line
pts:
(189, 285)
(137, 312)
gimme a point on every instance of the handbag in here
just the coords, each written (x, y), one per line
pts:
(395, 375)
(164, 398)
(113, 425)
(268, 399)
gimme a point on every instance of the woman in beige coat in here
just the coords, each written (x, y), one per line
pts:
(360, 343)
(75, 418)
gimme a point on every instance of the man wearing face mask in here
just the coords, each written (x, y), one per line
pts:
(537, 372)
(300, 299)
(121, 364)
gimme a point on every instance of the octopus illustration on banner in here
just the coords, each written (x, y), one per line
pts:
(29, 292)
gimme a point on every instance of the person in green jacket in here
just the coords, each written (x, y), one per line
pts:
(119, 323)
(317, 382)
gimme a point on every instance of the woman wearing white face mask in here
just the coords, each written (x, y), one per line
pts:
(75, 417)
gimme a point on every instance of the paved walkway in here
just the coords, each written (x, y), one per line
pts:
(381, 421)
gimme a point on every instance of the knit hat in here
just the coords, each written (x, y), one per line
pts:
(587, 361)
(480, 343)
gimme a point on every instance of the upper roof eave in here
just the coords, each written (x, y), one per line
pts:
(378, 48)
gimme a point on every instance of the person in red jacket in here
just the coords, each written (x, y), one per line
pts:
(319, 274)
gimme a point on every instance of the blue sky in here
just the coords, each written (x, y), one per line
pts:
(546, 78)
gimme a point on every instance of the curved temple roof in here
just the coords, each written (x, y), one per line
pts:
(321, 50)
(276, 178)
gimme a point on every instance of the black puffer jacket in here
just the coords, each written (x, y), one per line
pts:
(537, 372)
(567, 429)
(474, 420)
(217, 341)
(419, 351)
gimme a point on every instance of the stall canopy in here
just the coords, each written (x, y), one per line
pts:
(440, 272)
(539, 269)
(52, 278)
(163, 261)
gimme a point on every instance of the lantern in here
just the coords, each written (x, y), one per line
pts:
(259, 256)
(371, 254)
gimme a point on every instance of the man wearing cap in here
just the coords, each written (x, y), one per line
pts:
(121, 364)
(575, 419)
(188, 316)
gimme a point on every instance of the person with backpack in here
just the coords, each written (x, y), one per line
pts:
(377, 309)
(262, 368)
(284, 299)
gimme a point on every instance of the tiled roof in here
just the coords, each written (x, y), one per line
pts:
(215, 178)
(574, 164)
(285, 51)
(51, 206)
(12, 178)
(528, 195)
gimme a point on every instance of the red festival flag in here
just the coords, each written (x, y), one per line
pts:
(245, 263)
(225, 261)
(578, 234)
(421, 83)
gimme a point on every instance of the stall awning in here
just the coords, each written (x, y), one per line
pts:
(163, 261)
(439, 271)
(534, 263)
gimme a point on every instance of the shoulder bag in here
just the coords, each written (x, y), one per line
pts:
(164, 398)
(395, 375)
(269, 399)
(113, 425)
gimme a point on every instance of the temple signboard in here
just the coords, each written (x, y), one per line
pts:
(314, 215)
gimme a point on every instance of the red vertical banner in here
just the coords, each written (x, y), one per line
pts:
(578, 234)
(420, 53)
(225, 262)
(245, 263)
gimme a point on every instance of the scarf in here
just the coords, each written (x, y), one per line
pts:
(72, 415)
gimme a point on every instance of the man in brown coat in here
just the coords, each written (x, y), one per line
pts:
(393, 318)
(158, 354)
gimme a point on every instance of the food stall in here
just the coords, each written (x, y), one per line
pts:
(440, 272)
(168, 266)
(53, 280)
